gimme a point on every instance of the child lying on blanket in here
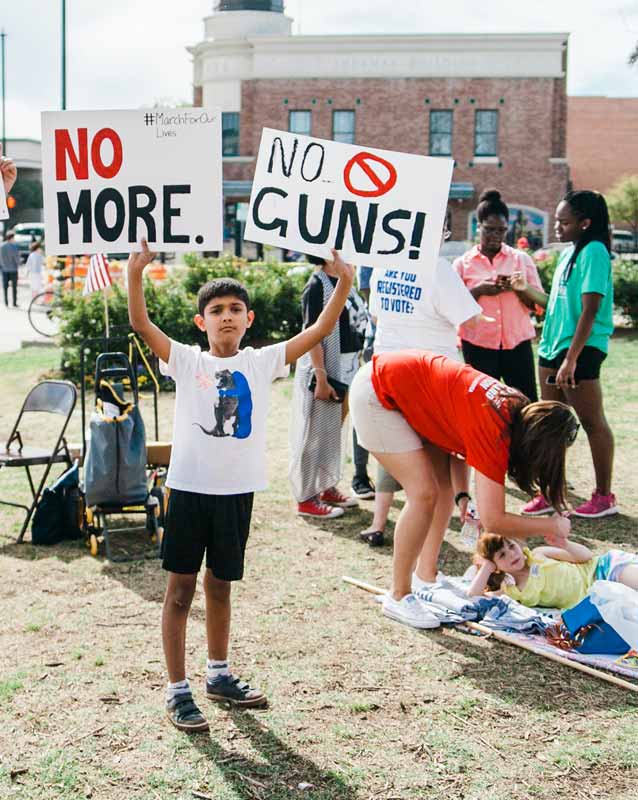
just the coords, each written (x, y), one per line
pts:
(551, 577)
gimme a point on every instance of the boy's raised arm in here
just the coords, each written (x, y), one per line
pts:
(328, 318)
(155, 338)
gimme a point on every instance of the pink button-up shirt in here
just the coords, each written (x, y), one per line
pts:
(512, 317)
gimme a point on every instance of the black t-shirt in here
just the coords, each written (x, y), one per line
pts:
(312, 306)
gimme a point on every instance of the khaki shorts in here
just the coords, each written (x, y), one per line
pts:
(378, 429)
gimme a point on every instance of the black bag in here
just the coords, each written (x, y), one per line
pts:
(60, 512)
(340, 388)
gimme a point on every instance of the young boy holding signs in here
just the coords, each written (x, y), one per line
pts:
(217, 463)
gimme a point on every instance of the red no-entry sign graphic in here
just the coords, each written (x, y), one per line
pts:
(381, 173)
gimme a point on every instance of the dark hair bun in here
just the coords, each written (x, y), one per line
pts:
(490, 196)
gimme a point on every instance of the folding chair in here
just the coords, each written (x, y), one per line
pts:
(52, 397)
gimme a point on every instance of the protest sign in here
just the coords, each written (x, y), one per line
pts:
(378, 207)
(4, 211)
(111, 178)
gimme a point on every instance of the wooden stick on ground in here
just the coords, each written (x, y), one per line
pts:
(503, 637)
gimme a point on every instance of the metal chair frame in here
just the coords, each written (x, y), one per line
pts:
(52, 397)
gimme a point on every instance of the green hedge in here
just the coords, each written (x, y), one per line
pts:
(626, 289)
(275, 298)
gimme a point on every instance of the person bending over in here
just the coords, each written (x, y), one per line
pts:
(412, 409)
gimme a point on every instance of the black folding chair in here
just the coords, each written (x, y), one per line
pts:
(52, 397)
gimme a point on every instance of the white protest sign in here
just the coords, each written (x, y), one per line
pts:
(378, 207)
(111, 178)
(4, 211)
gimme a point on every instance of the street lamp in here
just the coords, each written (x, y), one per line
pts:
(63, 55)
(3, 36)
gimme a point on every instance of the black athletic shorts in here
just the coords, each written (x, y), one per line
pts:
(217, 524)
(587, 367)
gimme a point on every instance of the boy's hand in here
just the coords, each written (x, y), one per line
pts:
(9, 172)
(344, 271)
(137, 262)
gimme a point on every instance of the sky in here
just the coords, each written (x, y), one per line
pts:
(131, 53)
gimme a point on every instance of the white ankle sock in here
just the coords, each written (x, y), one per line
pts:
(173, 689)
(216, 668)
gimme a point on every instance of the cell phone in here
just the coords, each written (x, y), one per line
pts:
(551, 381)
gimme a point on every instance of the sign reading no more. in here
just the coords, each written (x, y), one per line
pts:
(111, 178)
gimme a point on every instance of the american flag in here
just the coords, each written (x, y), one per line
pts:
(98, 276)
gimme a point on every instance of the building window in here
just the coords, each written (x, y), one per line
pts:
(300, 122)
(343, 126)
(230, 133)
(486, 133)
(441, 133)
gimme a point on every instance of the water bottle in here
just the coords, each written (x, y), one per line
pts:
(471, 527)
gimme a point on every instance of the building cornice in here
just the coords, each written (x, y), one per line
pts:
(512, 55)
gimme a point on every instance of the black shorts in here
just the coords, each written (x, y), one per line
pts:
(216, 523)
(587, 367)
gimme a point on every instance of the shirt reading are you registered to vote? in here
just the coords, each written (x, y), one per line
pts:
(419, 311)
(221, 408)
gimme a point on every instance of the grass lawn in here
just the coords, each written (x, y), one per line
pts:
(361, 708)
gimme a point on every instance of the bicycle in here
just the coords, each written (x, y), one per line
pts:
(44, 309)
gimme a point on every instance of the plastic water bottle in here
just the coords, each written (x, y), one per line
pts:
(471, 527)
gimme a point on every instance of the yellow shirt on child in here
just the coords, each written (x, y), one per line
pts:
(552, 583)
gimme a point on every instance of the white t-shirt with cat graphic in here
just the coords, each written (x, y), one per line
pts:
(221, 408)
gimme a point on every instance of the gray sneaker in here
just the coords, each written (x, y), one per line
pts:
(229, 689)
(184, 714)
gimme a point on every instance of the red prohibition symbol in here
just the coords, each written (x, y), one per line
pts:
(364, 162)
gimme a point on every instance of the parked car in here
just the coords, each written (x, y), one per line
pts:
(25, 234)
(623, 242)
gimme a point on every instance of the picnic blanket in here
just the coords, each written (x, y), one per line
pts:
(517, 622)
(623, 665)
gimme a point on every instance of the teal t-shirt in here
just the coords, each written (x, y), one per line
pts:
(591, 273)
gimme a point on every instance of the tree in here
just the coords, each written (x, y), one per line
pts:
(623, 204)
(27, 194)
(633, 58)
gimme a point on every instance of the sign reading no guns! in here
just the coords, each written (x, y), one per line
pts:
(380, 208)
(111, 178)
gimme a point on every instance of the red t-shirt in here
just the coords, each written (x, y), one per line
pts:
(453, 406)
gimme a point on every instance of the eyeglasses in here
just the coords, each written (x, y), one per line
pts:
(573, 433)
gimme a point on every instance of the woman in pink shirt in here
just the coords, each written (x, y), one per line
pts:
(503, 348)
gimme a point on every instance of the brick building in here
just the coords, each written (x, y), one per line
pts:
(602, 136)
(495, 103)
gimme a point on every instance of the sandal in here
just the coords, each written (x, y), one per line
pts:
(373, 538)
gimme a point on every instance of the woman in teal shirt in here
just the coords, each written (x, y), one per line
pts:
(575, 340)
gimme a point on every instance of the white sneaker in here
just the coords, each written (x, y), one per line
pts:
(409, 611)
(419, 585)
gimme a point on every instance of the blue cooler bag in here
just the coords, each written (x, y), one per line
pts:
(599, 637)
